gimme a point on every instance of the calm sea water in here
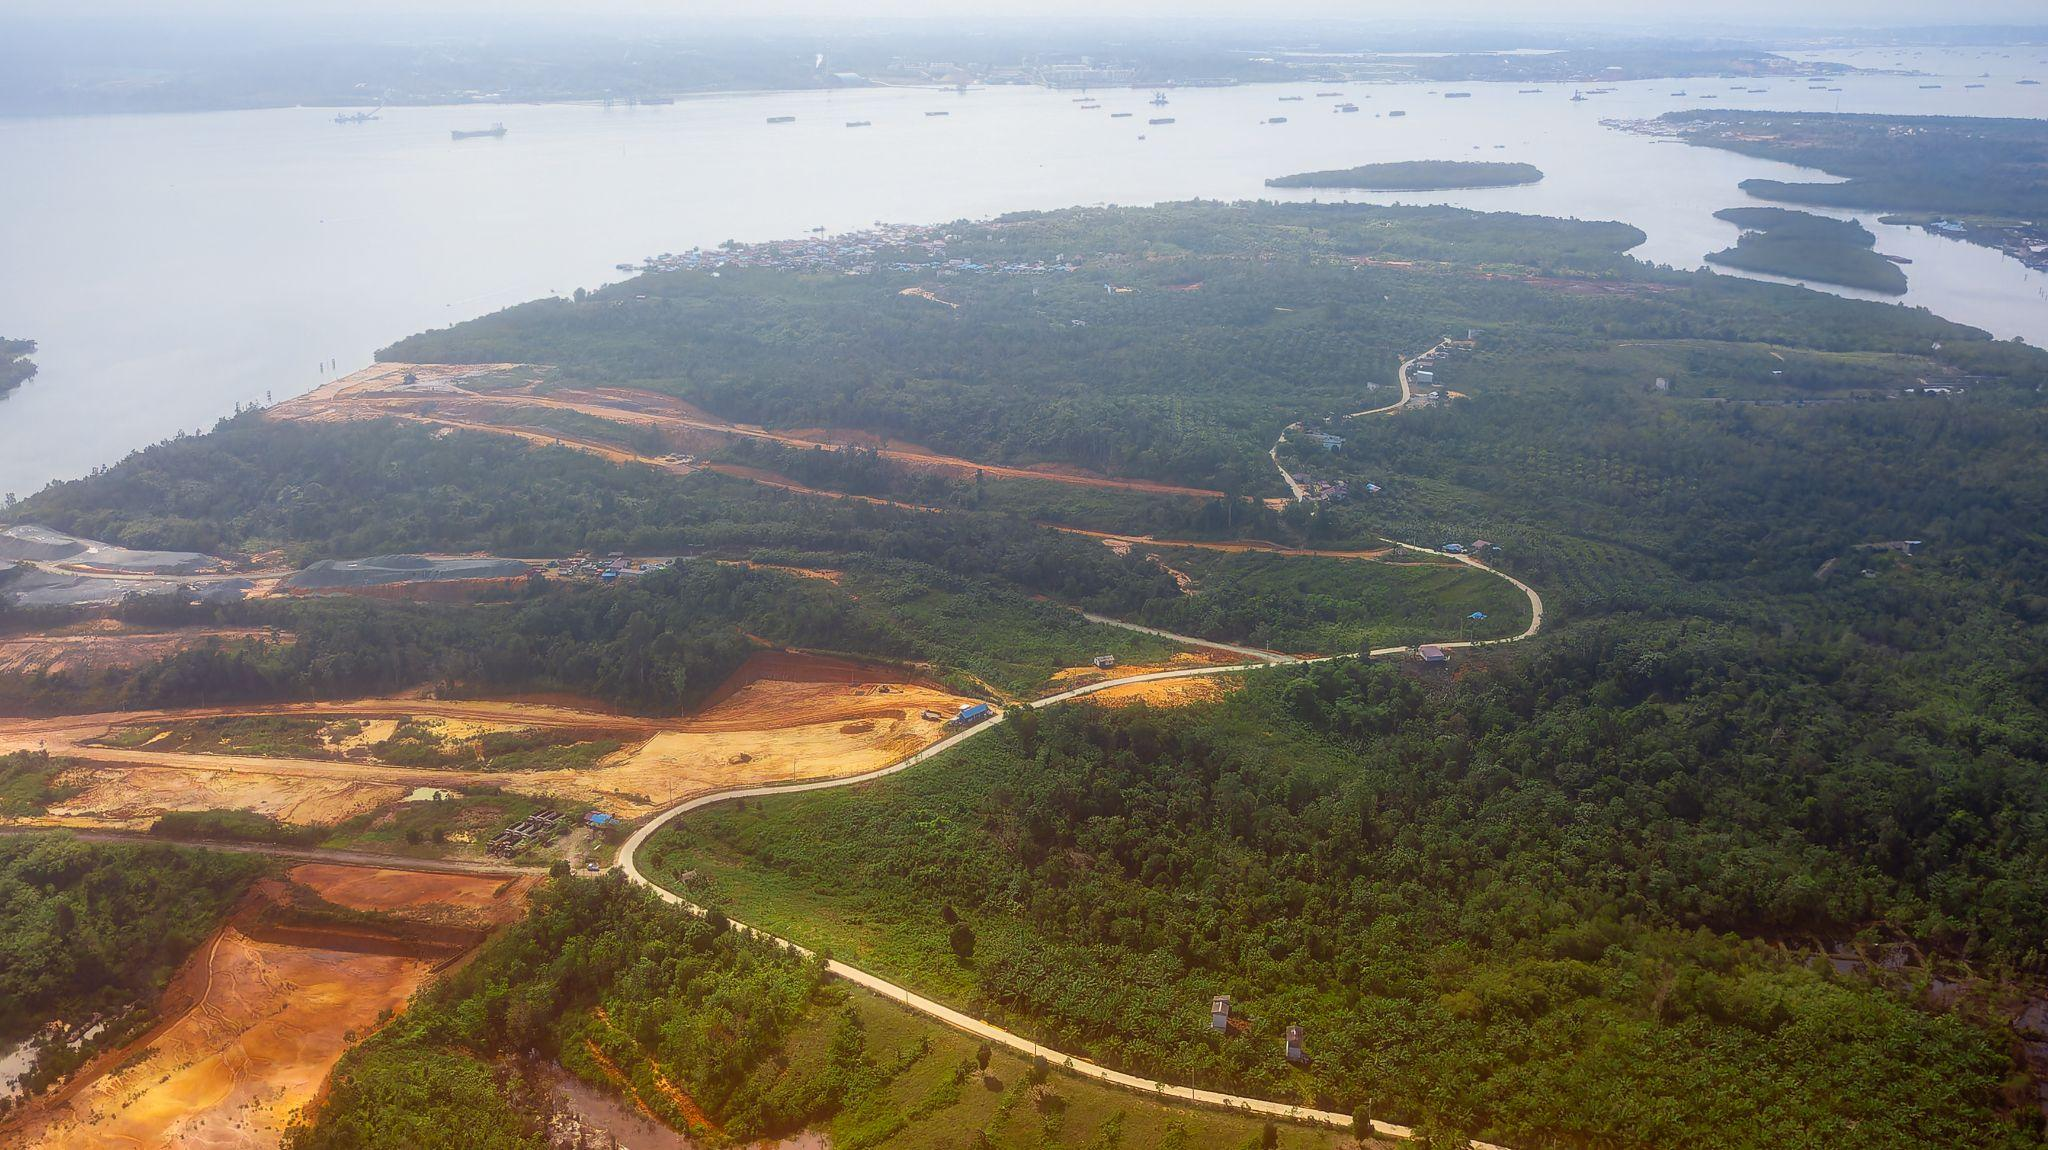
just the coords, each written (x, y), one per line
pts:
(173, 266)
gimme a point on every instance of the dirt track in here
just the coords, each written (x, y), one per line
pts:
(105, 645)
(441, 397)
(782, 717)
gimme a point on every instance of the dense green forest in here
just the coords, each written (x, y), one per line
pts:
(644, 1000)
(1242, 318)
(15, 366)
(1800, 245)
(1965, 165)
(1416, 176)
(1516, 904)
(1792, 694)
(90, 929)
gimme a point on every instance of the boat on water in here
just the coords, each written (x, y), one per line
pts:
(1285, 99)
(1395, 114)
(1326, 95)
(1973, 85)
(938, 113)
(1119, 115)
(1680, 92)
(2029, 83)
(355, 117)
(1532, 91)
(1159, 99)
(1276, 119)
(1457, 95)
(1578, 97)
(494, 131)
(859, 123)
(1347, 107)
(782, 119)
(1929, 87)
(1089, 107)
(1160, 120)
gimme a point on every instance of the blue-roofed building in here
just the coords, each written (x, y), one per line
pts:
(599, 819)
(1480, 615)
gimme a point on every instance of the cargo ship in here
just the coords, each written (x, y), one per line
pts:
(1396, 114)
(1457, 95)
(938, 113)
(782, 119)
(1347, 107)
(1161, 120)
(1276, 119)
(354, 117)
(494, 131)
(1119, 115)
(859, 123)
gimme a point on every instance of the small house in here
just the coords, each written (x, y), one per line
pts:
(1425, 377)
(1431, 653)
(1219, 1013)
(1295, 1053)
(1104, 662)
(599, 819)
(973, 713)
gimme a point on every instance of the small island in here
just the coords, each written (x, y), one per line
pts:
(15, 366)
(1803, 246)
(1417, 176)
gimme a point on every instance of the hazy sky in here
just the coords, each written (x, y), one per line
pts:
(1626, 13)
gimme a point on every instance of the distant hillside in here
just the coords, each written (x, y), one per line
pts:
(1416, 176)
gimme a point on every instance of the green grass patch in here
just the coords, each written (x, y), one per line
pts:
(28, 783)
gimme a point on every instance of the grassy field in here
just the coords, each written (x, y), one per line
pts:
(1333, 606)
(1006, 640)
(941, 1100)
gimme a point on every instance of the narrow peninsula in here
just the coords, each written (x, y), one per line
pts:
(1417, 176)
(1801, 245)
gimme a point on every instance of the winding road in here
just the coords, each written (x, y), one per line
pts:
(995, 1035)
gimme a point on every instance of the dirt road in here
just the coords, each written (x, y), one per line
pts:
(380, 391)
(304, 854)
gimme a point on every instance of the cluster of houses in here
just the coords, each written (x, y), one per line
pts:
(892, 247)
(587, 567)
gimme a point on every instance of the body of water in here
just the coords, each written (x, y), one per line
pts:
(173, 266)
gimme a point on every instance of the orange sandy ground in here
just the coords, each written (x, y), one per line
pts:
(1170, 692)
(784, 717)
(269, 1023)
(1071, 677)
(105, 644)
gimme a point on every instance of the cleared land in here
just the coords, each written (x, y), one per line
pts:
(477, 397)
(106, 645)
(782, 717)
(256, 1019)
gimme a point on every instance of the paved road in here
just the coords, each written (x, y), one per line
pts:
(301, 854)
(628, 861)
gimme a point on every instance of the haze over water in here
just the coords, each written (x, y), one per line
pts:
(173, 266)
